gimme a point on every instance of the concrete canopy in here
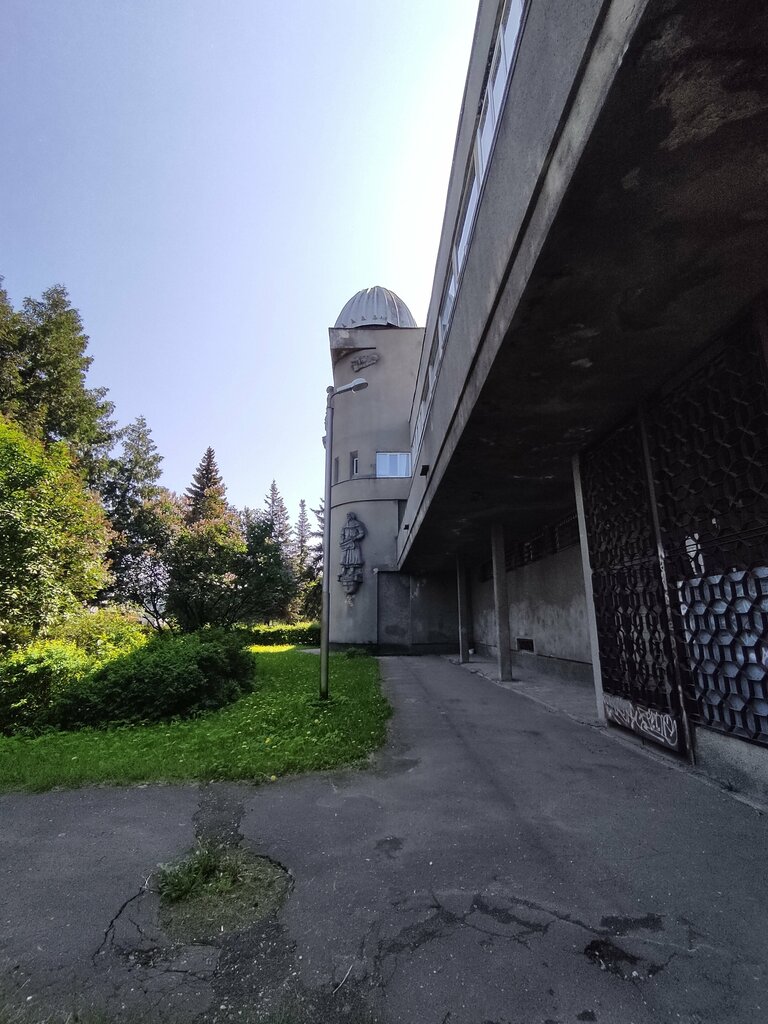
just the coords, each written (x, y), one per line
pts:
(656, 242)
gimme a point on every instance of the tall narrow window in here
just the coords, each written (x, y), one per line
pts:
(512, 28)
(354, 464)
(468, 218)
(336, 470)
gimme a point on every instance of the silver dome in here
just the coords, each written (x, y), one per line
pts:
(375, 307)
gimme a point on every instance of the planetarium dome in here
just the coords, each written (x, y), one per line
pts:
(375, 307)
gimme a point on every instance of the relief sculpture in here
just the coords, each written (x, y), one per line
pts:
(352, 534)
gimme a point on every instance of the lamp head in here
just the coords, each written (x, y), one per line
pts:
(358, 384)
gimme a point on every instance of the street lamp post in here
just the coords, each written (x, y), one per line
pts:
(359, 384)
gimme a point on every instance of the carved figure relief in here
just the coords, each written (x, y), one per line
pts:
(352, 534)
(366, 359)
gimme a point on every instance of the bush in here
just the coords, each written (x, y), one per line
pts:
(307, 633)
(103, 633)
(33, 681)
(170, 677)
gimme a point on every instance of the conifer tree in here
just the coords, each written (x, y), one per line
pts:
(207, 494)
(302, 538)
(277, 514)
(317, 537)
(43, 367)
(128, 491)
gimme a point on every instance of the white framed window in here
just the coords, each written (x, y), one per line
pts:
(498, 80)
(354, 464)
(468, 218)
(485, 134)
(512, 18)
(390, 464)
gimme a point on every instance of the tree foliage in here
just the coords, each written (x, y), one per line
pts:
(53, 536)
(206, 495)
(43, 367)
(128, 493)
(277, 514)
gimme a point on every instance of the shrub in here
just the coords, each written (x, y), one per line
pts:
(307, 633)
(33, 681)
(169, 677)
(103, 633)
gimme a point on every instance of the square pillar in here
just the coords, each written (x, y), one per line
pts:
(586, 569)
(463, 602)
(501, 601)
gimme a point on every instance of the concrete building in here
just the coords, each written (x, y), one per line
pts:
(584, 417)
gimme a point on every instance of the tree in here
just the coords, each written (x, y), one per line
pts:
(132, 477)
(53, 536)
(302, 538)
(277, 514)
(43, 368)
(128, 491)
(10, 381)
(206, 494)
(145, 574)
(316, 551)
(307, 603)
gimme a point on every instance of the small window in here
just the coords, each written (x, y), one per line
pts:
(336, 470)
(354, 464)
(390, 464)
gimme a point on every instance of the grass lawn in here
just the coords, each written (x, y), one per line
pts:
(278, 729)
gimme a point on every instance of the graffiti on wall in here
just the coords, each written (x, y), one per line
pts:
(658, 726)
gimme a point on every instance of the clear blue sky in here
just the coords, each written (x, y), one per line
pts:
(212, 181)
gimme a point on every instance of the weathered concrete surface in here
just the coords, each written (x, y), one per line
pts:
(498, 863)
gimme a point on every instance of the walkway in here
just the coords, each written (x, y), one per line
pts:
(498, 864)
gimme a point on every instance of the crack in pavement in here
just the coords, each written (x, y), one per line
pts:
(110, 929)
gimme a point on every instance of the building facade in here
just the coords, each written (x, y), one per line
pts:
(585, 413)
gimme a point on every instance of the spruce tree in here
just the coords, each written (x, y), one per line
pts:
(128, 491)
(43, 367)
(207, 494)
(277, 514)
(317, 536)
(302, 538)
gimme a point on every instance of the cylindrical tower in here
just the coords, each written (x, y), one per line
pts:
(375, 337)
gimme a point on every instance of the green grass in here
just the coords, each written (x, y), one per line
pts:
(218, 889)
(279, 729)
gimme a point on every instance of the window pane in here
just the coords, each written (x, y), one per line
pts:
(498, 81)
(467, 222)
(392, 464)
(485, 135)
(512, 27)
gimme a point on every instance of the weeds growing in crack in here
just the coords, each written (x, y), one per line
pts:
(210, 867)
(218, 888)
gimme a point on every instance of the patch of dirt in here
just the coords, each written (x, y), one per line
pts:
(258, 889)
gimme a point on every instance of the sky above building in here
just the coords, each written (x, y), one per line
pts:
(212, 182)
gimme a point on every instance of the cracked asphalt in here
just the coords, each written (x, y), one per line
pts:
(498, 863)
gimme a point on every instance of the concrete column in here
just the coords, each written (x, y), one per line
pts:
(587, 571)
(501, 601)
(463, 601)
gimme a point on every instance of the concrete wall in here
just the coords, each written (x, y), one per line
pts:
(547, 604)
(417, 614)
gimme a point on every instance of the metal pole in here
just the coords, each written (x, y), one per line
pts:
(589, 593)
(326, 591)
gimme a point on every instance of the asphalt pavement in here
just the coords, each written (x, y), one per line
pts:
(497, 863)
